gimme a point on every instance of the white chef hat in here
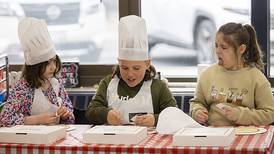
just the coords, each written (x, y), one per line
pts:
(35, 41)
(133, 43)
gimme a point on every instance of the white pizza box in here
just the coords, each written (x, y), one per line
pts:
(102, 134)
(32, 134)
(205, 136)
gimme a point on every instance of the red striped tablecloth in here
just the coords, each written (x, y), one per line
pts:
(154, 143)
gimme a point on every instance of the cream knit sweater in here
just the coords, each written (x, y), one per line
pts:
(247, 90)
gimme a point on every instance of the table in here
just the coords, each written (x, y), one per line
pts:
(154, 143)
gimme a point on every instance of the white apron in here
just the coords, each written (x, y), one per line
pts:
(41, 103)
(141, 103)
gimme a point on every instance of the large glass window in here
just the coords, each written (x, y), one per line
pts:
(86, 29)
(181, 32)
(271, 38)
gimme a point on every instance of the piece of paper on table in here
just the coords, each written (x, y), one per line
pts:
(133, 119)
(133, 116)
(173, 119)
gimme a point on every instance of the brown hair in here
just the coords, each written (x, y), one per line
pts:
(150, 72)
(34, 73)
(236, 34)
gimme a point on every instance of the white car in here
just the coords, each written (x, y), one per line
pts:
(191, 23)
(73, 25)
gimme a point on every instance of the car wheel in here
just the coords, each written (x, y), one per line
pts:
(204, 42)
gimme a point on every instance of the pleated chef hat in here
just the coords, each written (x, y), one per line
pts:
(35, 41)
(133, 43)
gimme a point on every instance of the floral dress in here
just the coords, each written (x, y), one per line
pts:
(19, 103)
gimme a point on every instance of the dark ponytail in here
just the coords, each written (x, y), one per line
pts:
(254, 52)
(34, 74)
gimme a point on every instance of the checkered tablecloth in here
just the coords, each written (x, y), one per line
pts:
(154, 143)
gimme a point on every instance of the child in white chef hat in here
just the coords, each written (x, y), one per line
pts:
(130, 94)
(38, 97)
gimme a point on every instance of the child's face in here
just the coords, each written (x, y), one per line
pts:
(226, 54)
(50, 69)
(133, 72)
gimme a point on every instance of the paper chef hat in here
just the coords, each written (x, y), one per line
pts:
(35, 41)
(133, 43)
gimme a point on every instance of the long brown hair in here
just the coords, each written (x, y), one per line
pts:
(149, 74)
(34, 73)
(236, 34)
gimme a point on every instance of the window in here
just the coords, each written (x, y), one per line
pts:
(181, 32)
(271, 38)
(86, 29)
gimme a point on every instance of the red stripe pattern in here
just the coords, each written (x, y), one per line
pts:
(154, 143)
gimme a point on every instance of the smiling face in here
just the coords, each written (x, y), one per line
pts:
(228, 57)
(133, 72)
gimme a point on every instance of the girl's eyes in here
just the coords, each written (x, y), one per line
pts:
(124, 68)
(134, 68)
(221, 46)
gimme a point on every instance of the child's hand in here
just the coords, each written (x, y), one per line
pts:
(64, 113)
(114, 117)
(201, 116)
(229, 112)
(47, 119)
(145, 120)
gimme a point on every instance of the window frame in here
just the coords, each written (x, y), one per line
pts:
(260, 19)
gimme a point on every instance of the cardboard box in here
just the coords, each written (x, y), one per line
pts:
(206, 136)
(115, 135)
(33, 134)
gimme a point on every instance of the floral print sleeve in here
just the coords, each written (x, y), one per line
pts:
(18, 105)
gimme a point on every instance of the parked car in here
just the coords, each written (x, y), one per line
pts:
(191, 23)
(73, 25)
